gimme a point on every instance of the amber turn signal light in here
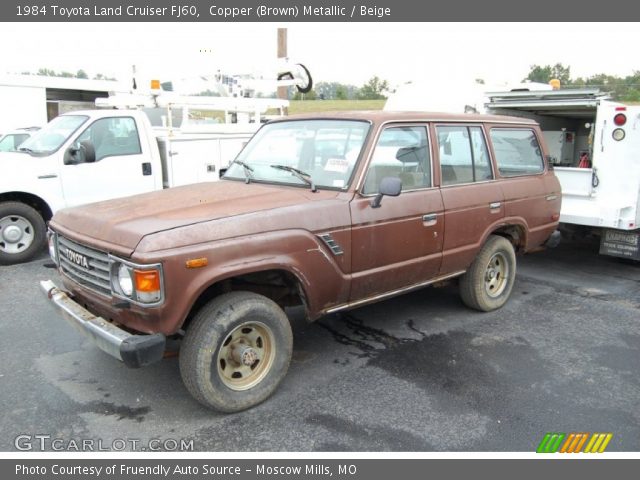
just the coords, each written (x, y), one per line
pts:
(147, 280)
(197, 262)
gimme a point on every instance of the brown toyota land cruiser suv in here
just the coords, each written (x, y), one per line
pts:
(329, 212)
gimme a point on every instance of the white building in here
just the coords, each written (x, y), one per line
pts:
(33, 100)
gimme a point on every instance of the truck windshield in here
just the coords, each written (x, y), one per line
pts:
(53, 135)
(303, 152)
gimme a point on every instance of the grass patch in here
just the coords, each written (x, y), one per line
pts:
(315, 106)
(303, 106)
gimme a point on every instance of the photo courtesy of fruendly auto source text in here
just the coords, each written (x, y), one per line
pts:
(358, 239)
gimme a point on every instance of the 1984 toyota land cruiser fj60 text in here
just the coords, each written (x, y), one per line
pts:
(327, 211)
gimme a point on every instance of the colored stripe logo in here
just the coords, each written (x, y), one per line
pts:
(554, 442)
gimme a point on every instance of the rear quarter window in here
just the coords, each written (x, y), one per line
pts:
(517, 151)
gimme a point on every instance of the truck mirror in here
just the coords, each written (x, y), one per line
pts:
(390, 186)
(88, 150)
(82, 152)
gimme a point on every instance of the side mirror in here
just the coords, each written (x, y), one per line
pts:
(390, 186)
(82, 152)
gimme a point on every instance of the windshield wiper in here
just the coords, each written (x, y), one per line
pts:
(304, 176)
(248, 170)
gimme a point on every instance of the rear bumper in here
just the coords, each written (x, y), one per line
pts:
(134, 350)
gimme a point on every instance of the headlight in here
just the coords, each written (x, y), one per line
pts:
(125, 280)
(53, 251)
(139, 284)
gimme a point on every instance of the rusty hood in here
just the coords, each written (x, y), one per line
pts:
(124, 222)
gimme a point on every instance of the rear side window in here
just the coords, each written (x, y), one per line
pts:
(517, 152)
(464, 157)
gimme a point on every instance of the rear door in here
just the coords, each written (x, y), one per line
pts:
(472, 199)
(398, 244)
(531, 194)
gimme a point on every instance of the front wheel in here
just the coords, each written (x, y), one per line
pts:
(488, 283)
(236, 351)
(22, 232)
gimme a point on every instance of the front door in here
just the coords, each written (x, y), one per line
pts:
(120, 168)
(398, 244)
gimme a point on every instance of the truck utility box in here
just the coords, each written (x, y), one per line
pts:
(194, 158)
(561, 146)
(595, 144)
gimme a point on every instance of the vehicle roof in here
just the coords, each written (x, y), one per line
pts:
(22, 130)
(382, 116)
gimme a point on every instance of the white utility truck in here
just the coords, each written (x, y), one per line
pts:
(93, 155)
(594, 144)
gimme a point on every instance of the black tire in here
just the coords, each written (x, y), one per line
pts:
(487, 285)
(206, 363)
(20, 220)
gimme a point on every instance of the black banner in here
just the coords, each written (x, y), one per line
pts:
(313, 11)
(367, 469)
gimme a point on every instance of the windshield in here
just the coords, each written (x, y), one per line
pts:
(53, 135)
(323, 151)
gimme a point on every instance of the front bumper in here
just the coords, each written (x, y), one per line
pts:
(134, 350)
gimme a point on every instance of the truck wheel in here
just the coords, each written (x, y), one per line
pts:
(488, 283)
(236, 351)
(22, 232)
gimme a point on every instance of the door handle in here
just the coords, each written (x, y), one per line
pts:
(495, 205)
(146, 168)
(430, 219)
(51, 175)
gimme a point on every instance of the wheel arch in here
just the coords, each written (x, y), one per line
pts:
(279, 284)
(34, 201)
(515, 232)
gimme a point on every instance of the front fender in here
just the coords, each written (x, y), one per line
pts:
(298, 252)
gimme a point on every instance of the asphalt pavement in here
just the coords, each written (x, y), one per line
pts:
(415, 373)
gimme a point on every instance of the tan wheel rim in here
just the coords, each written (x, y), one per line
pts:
(496, 275)
(246, 355)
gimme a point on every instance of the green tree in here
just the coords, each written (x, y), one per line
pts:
(81, 74)
(47, 72)
(545, 73)
(374, 89)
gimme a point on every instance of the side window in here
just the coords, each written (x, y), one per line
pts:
(464, 157)
(12, 141)
(401, 152)
(517, 152)
(113, 136)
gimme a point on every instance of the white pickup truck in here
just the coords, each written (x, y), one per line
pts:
(94, 155)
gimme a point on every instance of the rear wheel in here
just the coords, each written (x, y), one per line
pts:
(488, 283)
(236, 351)
(22, 232)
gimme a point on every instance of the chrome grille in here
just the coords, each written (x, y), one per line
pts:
(84, 265)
